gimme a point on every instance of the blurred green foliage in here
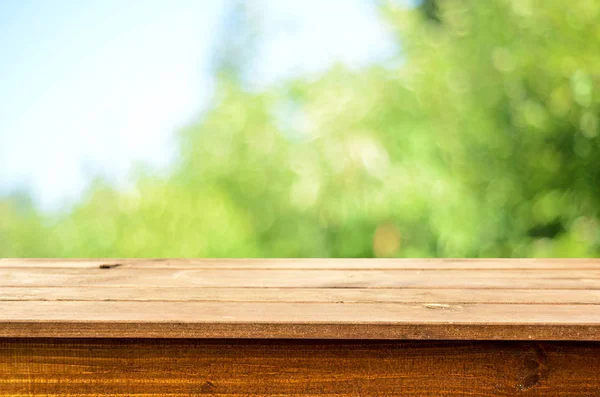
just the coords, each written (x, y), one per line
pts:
(479, 140)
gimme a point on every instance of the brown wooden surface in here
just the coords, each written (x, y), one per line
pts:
(292, 298)
(157, 367)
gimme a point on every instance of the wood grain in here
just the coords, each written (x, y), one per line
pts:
(300, 295)
(313, 278)
(102, 367)
(296, 298)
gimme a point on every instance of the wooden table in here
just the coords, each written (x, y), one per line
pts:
(299, 327)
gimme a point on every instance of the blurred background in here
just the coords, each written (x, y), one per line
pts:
(265, 128)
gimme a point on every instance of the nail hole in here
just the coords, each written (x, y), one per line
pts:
(109, 265)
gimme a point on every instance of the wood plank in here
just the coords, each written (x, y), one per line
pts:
(299, 320)
(349, 264)
(296, 368)
(298, 295)
(100, 298)
(283, 278)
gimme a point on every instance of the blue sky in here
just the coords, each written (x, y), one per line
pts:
(92, 87)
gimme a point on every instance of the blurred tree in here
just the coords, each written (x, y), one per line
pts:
(481, 140)
(509, 90)
(430, 9)
(21, 228)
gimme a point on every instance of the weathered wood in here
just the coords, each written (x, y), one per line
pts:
(299, 295)
(103, 367)
(317, 320)
(286, 298)
(320, 326)
(313, 278)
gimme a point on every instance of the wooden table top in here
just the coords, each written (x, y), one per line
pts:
(489, 299)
